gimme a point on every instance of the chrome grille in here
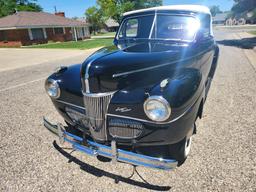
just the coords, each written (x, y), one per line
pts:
(124, 128)
(96, 109)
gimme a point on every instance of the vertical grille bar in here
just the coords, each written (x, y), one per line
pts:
(96, 110)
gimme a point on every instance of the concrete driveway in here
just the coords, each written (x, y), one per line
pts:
(19, 58)
(222, 156)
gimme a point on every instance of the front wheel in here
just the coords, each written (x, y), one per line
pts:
(179, 151)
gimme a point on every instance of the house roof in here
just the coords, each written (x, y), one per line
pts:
(220, 17)
(111, 23)
(193, 8)
(26, 19)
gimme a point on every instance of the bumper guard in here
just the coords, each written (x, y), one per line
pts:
(117, 155)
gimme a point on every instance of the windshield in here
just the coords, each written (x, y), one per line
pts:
(168, 27)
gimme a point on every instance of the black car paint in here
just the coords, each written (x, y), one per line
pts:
(185, 65)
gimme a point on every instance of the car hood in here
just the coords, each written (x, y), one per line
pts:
(134, 64)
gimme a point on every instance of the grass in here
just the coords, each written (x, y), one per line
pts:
(106, 34)
(253, 32)
(88, 44)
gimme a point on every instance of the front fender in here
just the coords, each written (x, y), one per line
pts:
(70, 85)
(182, 91)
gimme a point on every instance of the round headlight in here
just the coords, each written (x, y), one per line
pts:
(157, 108)
(52, 88)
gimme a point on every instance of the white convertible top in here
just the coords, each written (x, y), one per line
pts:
(194, 8)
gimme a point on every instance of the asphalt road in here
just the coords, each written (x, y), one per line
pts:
(223, 155)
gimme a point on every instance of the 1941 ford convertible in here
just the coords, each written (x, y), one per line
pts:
(137, 101)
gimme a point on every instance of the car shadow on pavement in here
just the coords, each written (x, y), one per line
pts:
(245, 43)
(99, 172)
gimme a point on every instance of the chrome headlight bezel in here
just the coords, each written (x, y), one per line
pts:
(162, 101)
(55, 85)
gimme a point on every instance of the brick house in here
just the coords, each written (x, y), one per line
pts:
(26, 28)
(220, 19)
(111, 25)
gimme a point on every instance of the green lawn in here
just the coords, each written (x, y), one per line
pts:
(253, 32)
(106, 34)
(88, 44)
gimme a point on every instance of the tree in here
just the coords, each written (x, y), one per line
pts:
(26, 5)
(241, 6)
(245, 8)
(94, 17)
(114, 8)
(215, 10)
(141, 4)
(8, 7)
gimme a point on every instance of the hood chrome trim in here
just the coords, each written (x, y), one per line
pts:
(156, 66)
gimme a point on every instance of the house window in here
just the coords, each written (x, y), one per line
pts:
(3, 36)
(37, 34)
(83, 31)
(58, 30)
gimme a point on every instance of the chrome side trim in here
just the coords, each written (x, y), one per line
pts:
(70, 104)
(155, 122)
(156, 66)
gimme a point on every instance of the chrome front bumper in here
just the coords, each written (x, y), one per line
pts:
(94, 149)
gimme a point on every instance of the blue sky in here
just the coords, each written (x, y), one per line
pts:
(77, 8)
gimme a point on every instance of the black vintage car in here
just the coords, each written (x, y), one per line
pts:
(137, 101)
